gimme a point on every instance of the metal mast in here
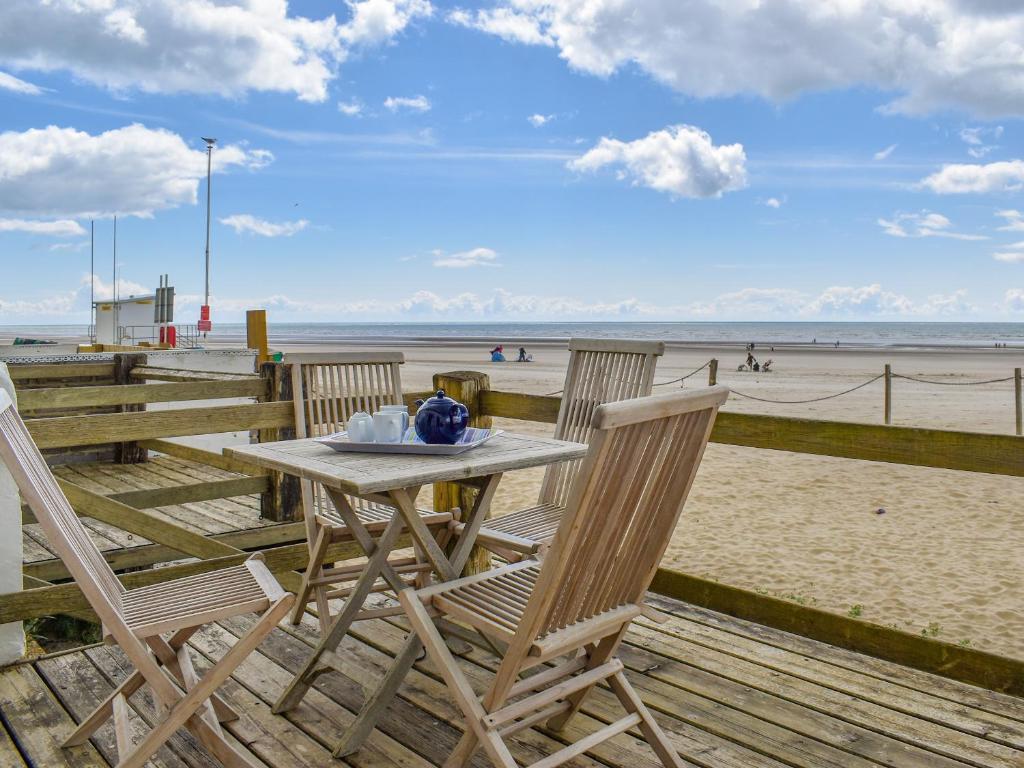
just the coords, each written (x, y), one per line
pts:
(209, 178)
(92, 281)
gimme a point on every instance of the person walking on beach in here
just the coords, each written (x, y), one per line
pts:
(523, 357)
(751, 361)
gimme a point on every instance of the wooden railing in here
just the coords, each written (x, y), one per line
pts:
(271, 417)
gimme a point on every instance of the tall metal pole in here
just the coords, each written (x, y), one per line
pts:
(115, 338)
(209, 190)
(92, 281)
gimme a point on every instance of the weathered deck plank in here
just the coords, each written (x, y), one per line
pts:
(728, 693)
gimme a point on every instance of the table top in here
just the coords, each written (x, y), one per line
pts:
(360, 473)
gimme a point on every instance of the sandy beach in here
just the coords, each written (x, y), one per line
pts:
(946, 558)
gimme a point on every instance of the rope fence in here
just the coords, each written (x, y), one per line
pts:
(887, 376)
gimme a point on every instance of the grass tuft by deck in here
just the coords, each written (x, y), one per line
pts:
(730, 694)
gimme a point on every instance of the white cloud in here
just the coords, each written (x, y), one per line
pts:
(1011, 253)
(475, 257)
(1014, 220)
(378, 21)
(72, 303)
(774, 202)
(195, 46)
(411, 103)
(976, 139)
(538, 120)
(11, 83)
(923, 224)
(58, 228)
(1010, 257)
(883, 154)
(933, 54)
(350, 108)
(963, 178)
(680, 160)
(1013, 300)
(132, 170)
(244, 223)
(506, 23)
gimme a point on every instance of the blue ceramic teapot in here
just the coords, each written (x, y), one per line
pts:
(441, 419)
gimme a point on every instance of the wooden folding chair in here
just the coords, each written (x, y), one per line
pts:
(137, 619)
(579, 601)
(327, 389)
(600, 371)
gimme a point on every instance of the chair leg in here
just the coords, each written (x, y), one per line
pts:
(460, 690)
(597, 656)
(184, 711)
(313, 569)
(648, 725)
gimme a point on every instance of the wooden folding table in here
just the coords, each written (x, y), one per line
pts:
(395, 479)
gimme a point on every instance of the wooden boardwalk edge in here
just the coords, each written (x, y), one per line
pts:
(968, 665)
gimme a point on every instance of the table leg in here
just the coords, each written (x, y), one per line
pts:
(378, 556)
(363, 537)
(365, 721)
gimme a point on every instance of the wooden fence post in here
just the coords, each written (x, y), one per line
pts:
(465, 387)
(1019, 409)
(713, 372)
(888, 393)
(131, 452)
(281, 502)
(256, 334)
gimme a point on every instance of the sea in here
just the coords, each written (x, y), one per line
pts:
(851, 334)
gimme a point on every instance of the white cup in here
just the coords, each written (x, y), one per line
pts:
(402, 409)
(387, 427)
(360, 428)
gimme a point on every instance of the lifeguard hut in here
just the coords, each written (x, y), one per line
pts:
(142, 320)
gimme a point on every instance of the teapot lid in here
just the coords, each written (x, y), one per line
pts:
(439, 397)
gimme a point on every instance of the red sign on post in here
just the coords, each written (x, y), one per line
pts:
(204, 325)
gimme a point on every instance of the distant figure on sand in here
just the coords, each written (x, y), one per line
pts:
(523, 357)
(750, 360)
(767, 367)
(497, 354)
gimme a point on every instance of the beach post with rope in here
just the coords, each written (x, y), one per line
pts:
(888, 394)
(1017, 401)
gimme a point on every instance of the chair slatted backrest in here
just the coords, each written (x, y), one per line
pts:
(600, 371)
(64, 531)
(329, 387)
(624, 506)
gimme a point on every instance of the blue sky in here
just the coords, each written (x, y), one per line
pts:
(521, 159)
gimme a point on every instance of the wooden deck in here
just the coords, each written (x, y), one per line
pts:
(238, 518)
(730, 694)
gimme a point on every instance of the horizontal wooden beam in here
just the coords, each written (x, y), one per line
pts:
(152, 373)
(988, 670)
(98, 429)
(151, 554)
(184, 494)
(136, 394)
(65, 598)
(945, 449)
(22, 371)
(191, 453)
(515, 405)
(156, 529)
(149, 498)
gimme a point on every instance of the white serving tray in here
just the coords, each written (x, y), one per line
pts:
(411, 443)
